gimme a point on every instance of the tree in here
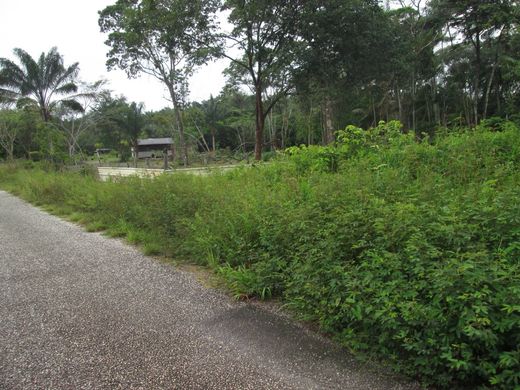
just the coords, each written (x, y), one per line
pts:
(74, 124)
(122, 123)
(9, 130)
(265, 33)
(414, 68)
(212, 116)
(131, 121)
(45, 84)
(348, 45)
(166, 39)
(238, 119)
(476, 21)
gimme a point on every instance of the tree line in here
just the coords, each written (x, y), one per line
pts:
(298, 71)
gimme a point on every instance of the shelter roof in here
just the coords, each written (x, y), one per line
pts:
(154, 141)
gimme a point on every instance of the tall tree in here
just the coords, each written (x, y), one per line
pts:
(119, 123)
(131, 120)
(414, 68)
(9, 130)
(237, 121)
(74, 124)
(348, 45)
(265, 36)
(476, 21)
(45, 83)
(166, 39)
(212, 116)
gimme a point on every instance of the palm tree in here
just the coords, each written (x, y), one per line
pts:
(44, 84)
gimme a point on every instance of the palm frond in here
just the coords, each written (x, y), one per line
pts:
(11, 75)
(25, 102)
(7, 99)
(72, 104)
(66, 76)
(39, 81)
(66, 89)
(31, 73)
(52, 67)
(9, 93)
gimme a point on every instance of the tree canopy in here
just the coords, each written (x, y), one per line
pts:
(163, 38)
(298, 71)
(265, 36)
(44, 83)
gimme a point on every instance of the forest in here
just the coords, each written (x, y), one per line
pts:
(298, 72)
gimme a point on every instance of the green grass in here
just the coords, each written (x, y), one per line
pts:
(96, 226)
(401, 250)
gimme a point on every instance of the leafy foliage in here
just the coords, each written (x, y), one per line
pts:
(406, 250)
(266, 36)
(39, 83)
(166, 39)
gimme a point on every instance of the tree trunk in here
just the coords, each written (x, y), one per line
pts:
(309, 127)
(497, 93)
(180, 125)
(135, 156)
(10, 152)
(399, 103)
(374, 124)
(437, 113)
(467, 110)
(285, 125)
(477, 78)
(428, 111)
(414, 114)
(491, 79)
(260, 122)
(46, 115)
(272, 130)
(328, 130)
(213, 142)
(488, 90)
(182, 139)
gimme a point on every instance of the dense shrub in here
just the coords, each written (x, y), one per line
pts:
(404, 249)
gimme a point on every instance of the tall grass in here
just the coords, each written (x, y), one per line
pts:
(406, 250)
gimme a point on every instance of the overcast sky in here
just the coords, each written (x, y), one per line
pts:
(71, 26)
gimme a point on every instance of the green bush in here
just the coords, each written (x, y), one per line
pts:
(405, 250)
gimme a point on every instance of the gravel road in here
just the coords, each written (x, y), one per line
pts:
(82, 311)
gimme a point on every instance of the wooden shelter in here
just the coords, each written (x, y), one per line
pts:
(153, 148)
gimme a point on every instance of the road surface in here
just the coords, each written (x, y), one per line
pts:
(82, 311)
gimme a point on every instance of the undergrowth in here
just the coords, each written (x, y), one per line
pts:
(408, 250)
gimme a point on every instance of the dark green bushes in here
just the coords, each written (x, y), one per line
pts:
(407, 250)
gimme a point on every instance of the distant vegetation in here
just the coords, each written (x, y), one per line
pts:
(298, 71)
(401, 246)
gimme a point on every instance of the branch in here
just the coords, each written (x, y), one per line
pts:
(240, 63)
(276, 99)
